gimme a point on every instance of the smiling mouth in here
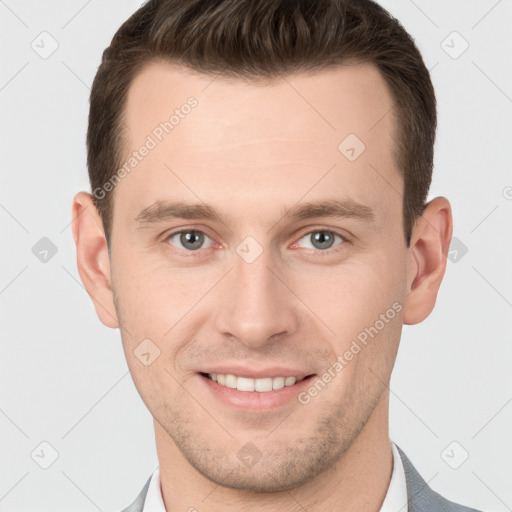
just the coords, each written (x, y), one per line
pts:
(261, 385)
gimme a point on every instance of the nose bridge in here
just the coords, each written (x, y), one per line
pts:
(255, 305)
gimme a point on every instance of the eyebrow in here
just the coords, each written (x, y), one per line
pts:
(331, 208)
(162, 211)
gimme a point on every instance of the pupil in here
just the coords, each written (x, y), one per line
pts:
(190, 238)
(322, 239)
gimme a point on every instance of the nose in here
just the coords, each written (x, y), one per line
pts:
(255, 304)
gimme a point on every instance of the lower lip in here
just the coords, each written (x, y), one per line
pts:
(256, 400)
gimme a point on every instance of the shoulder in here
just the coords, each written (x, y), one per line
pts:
(138, 504)
(420, 497)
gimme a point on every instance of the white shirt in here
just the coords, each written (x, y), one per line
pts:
(395, 500)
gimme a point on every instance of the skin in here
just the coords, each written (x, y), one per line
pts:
(253, 150)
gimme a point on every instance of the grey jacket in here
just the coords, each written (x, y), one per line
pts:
(420, 497)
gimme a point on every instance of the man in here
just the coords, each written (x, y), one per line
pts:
(258, 231)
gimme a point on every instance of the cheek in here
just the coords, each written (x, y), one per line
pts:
(351, 297)
(157, 301)
(362, 305)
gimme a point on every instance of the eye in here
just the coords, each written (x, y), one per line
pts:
(190, 240)
(321, 239)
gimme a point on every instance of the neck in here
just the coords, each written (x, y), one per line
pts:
(358, 481)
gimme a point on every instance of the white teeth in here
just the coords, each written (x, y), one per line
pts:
(230, 381)
(278, 382)
(245, 384)
(289, 381)
(263, 385)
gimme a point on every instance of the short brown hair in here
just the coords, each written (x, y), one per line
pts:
(256, 39)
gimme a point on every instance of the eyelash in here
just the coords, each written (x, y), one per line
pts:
(198, 252)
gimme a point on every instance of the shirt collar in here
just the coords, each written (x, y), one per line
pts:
(396, 497)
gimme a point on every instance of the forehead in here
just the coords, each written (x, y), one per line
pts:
(323, 104)
(328, 131)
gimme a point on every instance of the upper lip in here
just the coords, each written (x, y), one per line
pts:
(257, 373)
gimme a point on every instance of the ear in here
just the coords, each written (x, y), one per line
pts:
(427, 258)
(93, 258)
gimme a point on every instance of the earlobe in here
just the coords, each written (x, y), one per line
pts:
(427, 259)
(93, 258)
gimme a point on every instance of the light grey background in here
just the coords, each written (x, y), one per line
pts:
(64, 378)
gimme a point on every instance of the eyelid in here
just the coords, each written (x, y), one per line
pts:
(204, 231)
(344, 238)
(167, 235)
(186, 229)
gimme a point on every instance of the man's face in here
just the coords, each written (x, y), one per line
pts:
(261, 287)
